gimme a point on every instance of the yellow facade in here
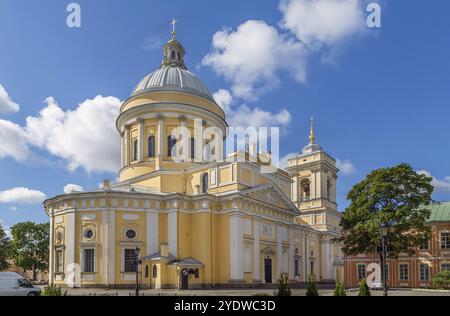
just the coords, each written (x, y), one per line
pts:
(200, 220)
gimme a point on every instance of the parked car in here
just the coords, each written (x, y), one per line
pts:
(13, 284)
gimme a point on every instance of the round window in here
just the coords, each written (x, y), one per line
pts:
(131, 234)
(88, 234)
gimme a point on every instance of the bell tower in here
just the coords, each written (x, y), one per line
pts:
(314, 175)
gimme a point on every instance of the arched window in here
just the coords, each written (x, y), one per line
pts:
(306, 190)
(146, 271)
(151, 147)
(135, 150)
(205, 183)
(179, 56)
(173, 55)
(328, 188)
(171, 142)
(192, 148)
(155, 272)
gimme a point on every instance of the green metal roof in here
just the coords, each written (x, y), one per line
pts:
(440, 212)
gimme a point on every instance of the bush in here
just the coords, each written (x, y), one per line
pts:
(52, 290)
(364, 289)
(312, 287)
(442, 280)
(283, 287)
(339, 290)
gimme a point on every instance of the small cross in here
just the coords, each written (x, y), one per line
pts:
(174, 23)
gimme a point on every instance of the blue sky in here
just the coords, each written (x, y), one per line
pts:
(380, 96)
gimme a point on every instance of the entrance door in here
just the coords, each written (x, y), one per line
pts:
(268, 270)
(184, 279)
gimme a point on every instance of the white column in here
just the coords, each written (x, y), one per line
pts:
(70, 242)
(304, 259)
(51, 250)
(256, 251)
(173, 232)
(279, 253)
(122, 150)
(141, 140)
(112, 248)
(198, 140)
(326, 259)
(160, 148)
(183, 140)
(127, 145)
(236, 248)
(104, 247)
(152, 232)
(295, 189)
(291, 253)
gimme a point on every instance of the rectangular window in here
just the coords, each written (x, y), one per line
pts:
(129, 260)
(424, 272)
(89, 259)
(403, 272)
(424, 246)
(445, 267)
(361, 271)
(296, 269)
(445, 240)
(59, 268)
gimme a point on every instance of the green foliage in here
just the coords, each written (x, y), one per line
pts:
(364, 289)
(53, 291)
(29, 246)
(389, 197)
(339, 290)
(283, 287)
(312, 287)
(4, 242)
(442, 280)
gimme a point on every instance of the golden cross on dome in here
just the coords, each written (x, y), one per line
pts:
(312, 138)
(174, 23)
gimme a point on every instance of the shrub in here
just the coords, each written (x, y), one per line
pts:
(339, 290)
(312, 287)
(364, 289)
(283, 287)
(442, 280)
(52, 290)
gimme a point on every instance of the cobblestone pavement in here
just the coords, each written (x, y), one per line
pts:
(295, 292)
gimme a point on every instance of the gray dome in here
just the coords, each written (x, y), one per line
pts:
(171, 78)
(311, 148)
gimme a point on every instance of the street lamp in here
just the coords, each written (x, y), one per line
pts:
(137, 262)
(383, 232)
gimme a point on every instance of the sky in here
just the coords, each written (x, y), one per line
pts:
(380, 96)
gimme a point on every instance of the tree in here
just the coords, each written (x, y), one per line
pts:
(442, 280)
(4, 242)
(312, 287)
(283, 287)
(364, 289)
(392, 198)
(339, 290)
(29, 246)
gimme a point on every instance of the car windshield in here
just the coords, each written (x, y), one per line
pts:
(24, 283)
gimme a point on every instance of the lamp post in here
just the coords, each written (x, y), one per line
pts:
(136, 253)
(383, 233)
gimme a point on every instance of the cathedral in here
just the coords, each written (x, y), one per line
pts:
(187, 223)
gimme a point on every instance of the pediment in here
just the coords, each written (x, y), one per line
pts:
(270, 194)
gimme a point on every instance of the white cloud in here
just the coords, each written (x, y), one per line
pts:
(439, 185)
(85, 137)
(152, 43)
(245, 116)
(22, 196)
(13, 141)
(13, 209)
(251, 56)
(70, 188)
(319, 23)
(346, 166)
(6, 104)
(284, 160)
